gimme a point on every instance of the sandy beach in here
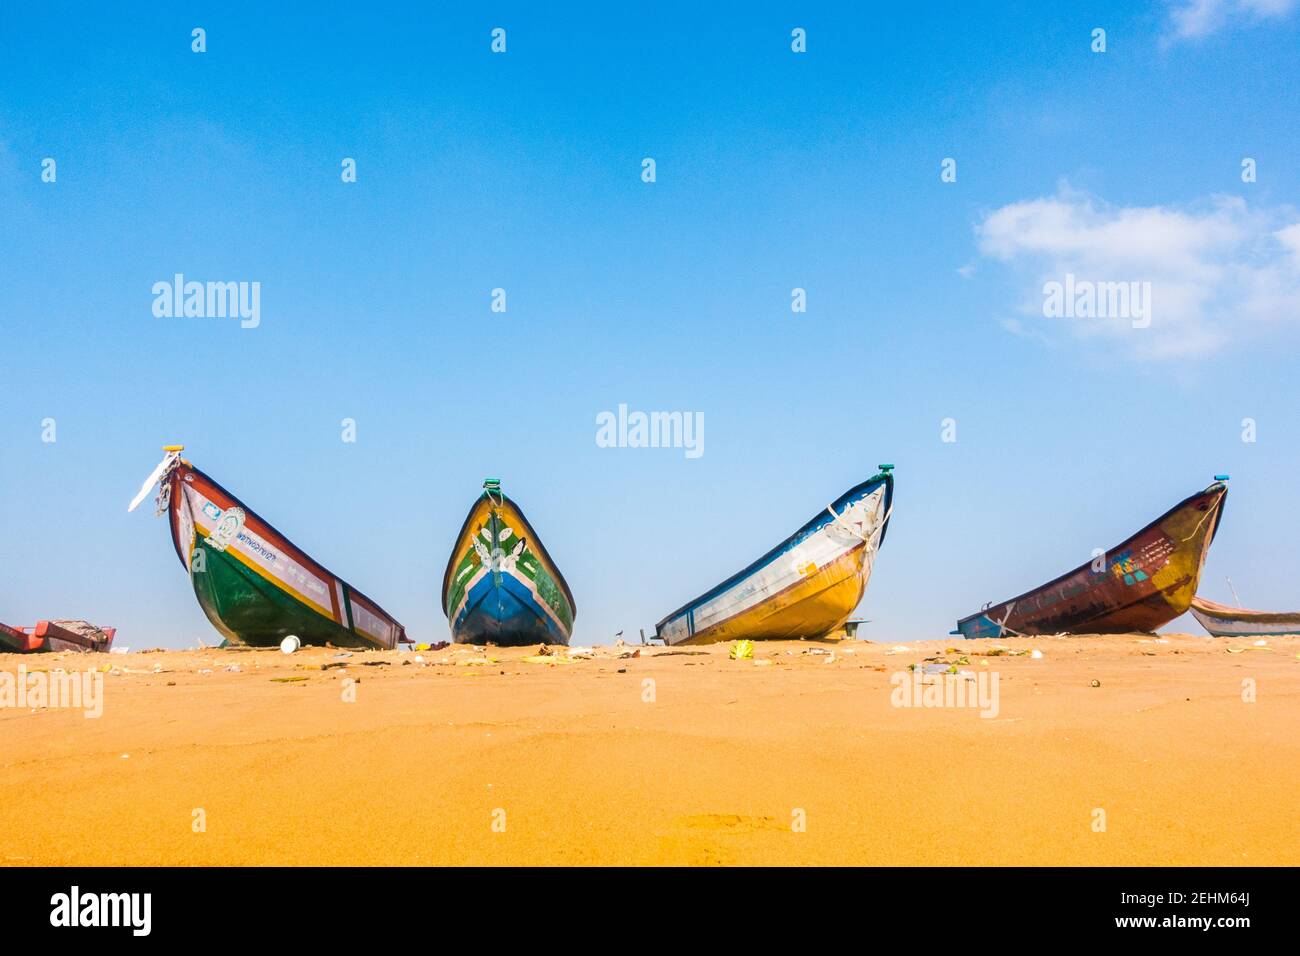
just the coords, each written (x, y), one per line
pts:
(1103, 750)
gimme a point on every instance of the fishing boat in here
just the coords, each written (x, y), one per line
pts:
(501, 586)
(14, 640)
(253, 584)
(79, 636)
(1222, 620)
(807, 586)
(1138, 585)
(55, 636)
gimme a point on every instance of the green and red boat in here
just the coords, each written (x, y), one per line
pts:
(254, 585)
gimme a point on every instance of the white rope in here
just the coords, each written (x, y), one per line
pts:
(1204, 519)
(864, 538)
(1003, 628)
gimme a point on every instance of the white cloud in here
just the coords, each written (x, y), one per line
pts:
(1218, 270)
(1192, 19)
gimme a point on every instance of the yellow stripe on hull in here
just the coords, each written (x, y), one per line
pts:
(514, 519)
(269, 578)
(815, 606)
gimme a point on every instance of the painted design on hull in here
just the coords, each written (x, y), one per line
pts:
(1143, 583)
(253, 584)
(1222, 620)
(807, 586)
(501, 585)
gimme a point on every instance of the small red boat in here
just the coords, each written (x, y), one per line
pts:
(15, 641)
(54, 636)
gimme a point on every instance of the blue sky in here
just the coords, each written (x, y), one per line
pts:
(521, 171)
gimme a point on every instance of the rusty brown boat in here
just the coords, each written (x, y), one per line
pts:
(1139, 585)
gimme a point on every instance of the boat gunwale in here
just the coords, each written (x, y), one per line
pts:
(885, 478)
(282, 538)
(1136, 534)
(1226, 612)
(533, 536)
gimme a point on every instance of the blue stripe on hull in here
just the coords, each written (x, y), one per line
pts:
(978, 627)
(504, 614)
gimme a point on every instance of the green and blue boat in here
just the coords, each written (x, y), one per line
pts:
(501, 586)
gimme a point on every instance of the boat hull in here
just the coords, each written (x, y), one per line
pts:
(1140, 585)
(807, 586)
(255, 587)
(14, 641)
(79, 637)
(501, 586)
(1224, 621)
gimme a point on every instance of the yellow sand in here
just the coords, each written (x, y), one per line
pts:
(504, 758)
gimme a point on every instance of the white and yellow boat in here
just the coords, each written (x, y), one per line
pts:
(807, 586)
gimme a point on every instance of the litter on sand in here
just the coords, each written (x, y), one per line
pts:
(742, 651)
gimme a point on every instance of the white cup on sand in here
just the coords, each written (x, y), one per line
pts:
(290, 644)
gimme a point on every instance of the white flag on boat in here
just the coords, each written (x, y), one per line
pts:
(153, 479)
